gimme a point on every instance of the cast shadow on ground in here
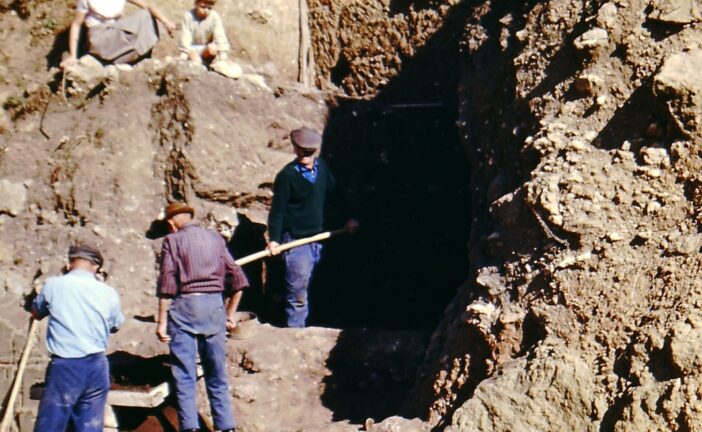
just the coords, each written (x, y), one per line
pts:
(249, 238)
(60, 46)
(372, 372)
(407, 177)
(157, 229)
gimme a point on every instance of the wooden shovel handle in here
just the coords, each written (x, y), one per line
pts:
(10, 407)
(299, 242)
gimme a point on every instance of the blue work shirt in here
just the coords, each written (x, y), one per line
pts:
(81, 311)
(309, 174)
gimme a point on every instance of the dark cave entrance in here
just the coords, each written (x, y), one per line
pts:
(407, 177)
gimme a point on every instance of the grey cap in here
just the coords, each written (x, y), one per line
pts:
(306, 138)
(86, 252)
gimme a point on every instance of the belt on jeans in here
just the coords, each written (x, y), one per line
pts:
(198, 293)
(54, 356)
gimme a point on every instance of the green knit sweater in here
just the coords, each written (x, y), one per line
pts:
(298, 205)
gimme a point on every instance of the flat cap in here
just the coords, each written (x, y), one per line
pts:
(306, 138)
(177, 208)
(86, 252)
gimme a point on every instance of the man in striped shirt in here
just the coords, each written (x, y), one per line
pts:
(197, 275)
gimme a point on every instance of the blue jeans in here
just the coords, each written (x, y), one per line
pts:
(299, 268)
(201, 333)
(76, 391)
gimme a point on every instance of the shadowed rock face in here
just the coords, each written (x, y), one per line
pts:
(585, 238)
(395, 146)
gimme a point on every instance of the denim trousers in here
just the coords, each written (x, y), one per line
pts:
(299, 268)
(75, 392)
(196, 325)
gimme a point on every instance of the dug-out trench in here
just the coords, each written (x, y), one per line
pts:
(406, 176)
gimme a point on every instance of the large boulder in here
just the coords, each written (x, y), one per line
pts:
(229, 152)
(679, 84)
(556, 390)
(675, 11)
(685, 346)
(13, 195)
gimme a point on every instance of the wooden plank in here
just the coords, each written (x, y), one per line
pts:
(124, 398)
(131, 398)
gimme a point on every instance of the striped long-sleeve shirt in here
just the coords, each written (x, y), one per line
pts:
(195, 259)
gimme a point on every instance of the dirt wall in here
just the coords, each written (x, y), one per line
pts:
(585, 247)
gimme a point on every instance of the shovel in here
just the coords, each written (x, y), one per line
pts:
(295, 243)
(10, 409)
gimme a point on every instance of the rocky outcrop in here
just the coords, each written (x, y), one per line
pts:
(554, 391)
(360, 46)
(14, 197)
(585, 239)
(677, 84)
(675, 11)
(229, 153)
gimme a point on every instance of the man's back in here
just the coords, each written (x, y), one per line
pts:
(191, 315)
(81, 310)
(195, 259)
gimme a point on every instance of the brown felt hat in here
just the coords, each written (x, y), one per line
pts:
(85, 252)
(306, 138)
(177, 208)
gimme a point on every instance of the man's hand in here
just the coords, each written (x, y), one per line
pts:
(352, 226)
(36, 315)
(194, 56)
(68, 62)
(212, 49)
(170, 28)
(231, 324)
(273, 248)
(161, 332)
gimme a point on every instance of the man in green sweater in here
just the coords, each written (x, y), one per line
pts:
(300, 194)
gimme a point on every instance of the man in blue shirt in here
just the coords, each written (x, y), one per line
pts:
(82, 313)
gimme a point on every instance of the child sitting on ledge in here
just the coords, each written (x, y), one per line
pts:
(202, 37)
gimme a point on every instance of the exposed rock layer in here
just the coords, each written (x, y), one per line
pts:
(587, 240)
